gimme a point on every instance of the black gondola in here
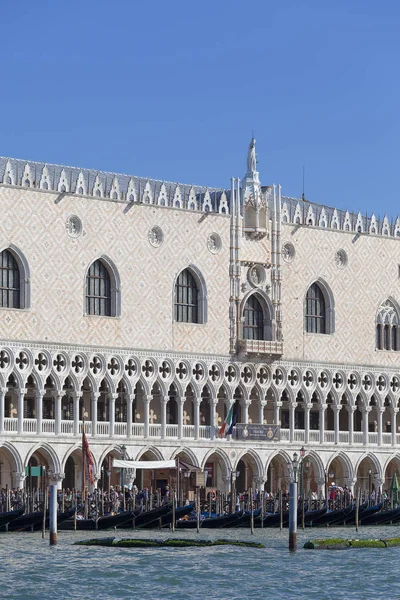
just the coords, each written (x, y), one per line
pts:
(61, 517)
(210, 522)
(9, 516)
(166, 520)
(24, 522)
(144, 518)
(383, 517)
(106, 522)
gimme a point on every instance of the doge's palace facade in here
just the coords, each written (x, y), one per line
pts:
(148, 308)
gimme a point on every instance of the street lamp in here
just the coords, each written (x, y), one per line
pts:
(293, 503)
(369, 486)
(123, 451)
(234, 476)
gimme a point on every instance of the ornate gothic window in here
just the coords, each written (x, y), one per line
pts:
(186, 298)
(253, 325)
(9, 281)
(98, 290)
(315, 310)
(387, 326)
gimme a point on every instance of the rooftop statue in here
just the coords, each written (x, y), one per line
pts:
(251, 156)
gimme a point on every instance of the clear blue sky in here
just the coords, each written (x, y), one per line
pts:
(172, 90)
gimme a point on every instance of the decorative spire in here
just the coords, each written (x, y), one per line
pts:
(251, 157)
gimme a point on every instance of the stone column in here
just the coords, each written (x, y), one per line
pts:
(19, 479)
(336, 409)
(57, 396)
(3, 392)
(94, 398)
(20, 409)
(181, 402)
(307, 410)
(261, 412)
(322, 409)
(320, 481)
(245, 412)
(292, 408)
(76, 396)
(129, 400)
(196, 409)
(39, 410)
(213, 406)
(380, 410)
(365, 411)
(112, 398)
(351, 410)
(163, 402)
(393, 413)
(227, 481)
(277, 412)
(146, 406)
(351, 482)
(56, 479)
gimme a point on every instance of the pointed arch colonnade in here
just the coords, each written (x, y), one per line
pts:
(136, 399)
(257, 468)
(50, 391)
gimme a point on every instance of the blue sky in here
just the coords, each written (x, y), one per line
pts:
(172, 90)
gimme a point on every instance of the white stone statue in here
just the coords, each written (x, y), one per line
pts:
(251, 156)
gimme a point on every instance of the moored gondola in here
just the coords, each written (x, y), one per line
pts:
(8, 517)
(383, 517)
(210, 522)
(106, 522)
(166, 520)
(24, 522)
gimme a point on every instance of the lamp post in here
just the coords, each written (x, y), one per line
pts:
(293, 503)
(304, 467)
(234, 475)
(123, 454)
(369, 486)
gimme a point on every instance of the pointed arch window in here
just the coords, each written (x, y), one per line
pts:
(253, 320)
(186, 298)
(315, 310)
(387, 327)
(10, 281)
(98, 290)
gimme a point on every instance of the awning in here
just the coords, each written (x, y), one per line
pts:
(144, 464)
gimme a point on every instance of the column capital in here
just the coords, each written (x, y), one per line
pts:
(323, 407)
(380, 409)
(147, 399)
(55, 477)
(114, 395)
(308, 405)
(76, 395)
(21, 391)
(57, 394)
(351, 408)
(39, 393)
(366, 409)
(3, 391)
(181, 400)
(394, 410)
(164, 400)
(337, 407)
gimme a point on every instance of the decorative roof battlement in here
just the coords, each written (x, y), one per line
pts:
(302, 212)
(111, 186)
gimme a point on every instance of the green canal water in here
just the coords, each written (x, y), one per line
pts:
(31, 569)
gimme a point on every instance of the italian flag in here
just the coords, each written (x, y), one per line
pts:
(228, 421)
